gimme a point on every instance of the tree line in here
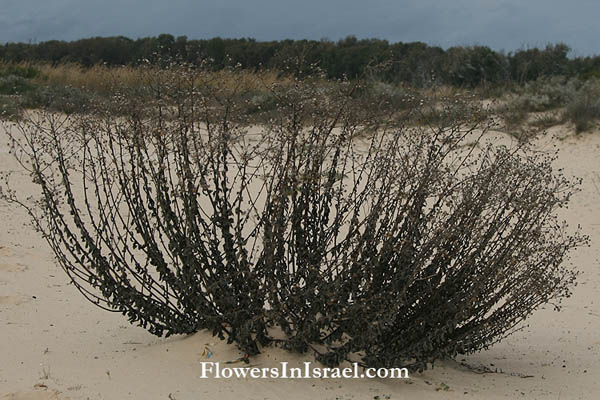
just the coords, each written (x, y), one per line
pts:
(416, 64)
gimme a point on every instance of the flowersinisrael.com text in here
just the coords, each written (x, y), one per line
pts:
(216, 370)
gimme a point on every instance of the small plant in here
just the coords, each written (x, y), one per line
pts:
(512, 113)
(45, 373)
(356, 237)
(443, 387)
(262, 101)
(546, 120)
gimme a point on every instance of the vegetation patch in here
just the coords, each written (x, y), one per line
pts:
(584, 109)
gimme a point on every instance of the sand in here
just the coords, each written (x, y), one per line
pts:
(56, 345)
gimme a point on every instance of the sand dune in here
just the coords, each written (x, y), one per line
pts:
(50, 336)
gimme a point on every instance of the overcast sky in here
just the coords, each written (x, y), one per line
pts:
(502, 24)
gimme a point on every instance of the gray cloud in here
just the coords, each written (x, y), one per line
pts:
(501, 24)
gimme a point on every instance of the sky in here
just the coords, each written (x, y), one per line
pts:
(507, 25)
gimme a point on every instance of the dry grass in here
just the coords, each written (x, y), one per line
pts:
(97, 78)
(72, 88)
(102, 79)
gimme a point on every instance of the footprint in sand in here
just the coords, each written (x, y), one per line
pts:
(9, 267)
(12, 300)
(5, 251)
(37, 395)
(12, 267)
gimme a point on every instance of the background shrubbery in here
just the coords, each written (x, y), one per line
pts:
(415, 64)
(552, 101)
(536, 105)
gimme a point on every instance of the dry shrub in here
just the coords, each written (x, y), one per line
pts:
(394, 248)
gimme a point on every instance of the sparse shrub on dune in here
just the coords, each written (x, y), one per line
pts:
(65, 99)
(548, 93)
(358, 239)
(546, 120)
(584, 109)
(558, 99)
(396, 97)
(13, 85)
(10, 108)
(513, 114)
(17, 79)
(542, 95)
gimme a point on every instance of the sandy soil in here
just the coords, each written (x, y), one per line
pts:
(55, 345)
